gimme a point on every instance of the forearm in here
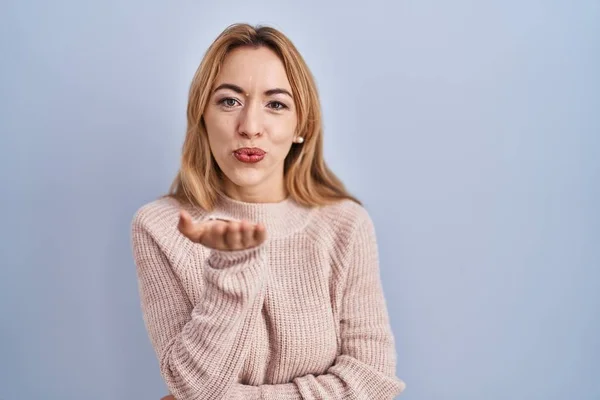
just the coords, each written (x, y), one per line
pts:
(347, 379)
(205, 358)
(199, 346)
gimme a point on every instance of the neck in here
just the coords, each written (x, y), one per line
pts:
(268, 192)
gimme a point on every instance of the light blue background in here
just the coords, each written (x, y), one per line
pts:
(470, 129)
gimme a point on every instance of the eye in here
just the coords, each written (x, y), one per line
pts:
(277, 105)
(228, 102)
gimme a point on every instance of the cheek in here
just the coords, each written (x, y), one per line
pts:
(282, 131)
(220, 130)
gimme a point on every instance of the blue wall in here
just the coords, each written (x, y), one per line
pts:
(471, 130)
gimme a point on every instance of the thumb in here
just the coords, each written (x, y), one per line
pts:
(187, 227)
(185, 224)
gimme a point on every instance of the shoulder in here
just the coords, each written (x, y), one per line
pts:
(161, 215)
(340, 220)
(156, 215)
(157, 222)
(341, 231)
(345, 214)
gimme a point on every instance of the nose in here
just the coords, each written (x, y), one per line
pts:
(250, 124)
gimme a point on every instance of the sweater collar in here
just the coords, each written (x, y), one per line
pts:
(280, 218)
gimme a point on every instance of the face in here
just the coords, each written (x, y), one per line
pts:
(251, 121)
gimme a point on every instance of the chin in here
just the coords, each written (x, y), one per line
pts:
(246, 177)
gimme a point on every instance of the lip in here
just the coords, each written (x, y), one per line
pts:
(249, 155)
(250, 151)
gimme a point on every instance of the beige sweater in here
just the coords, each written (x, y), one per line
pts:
(303, 316)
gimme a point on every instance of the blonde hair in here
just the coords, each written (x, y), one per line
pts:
(308, 180)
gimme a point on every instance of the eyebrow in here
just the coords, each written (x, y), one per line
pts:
(239, 90)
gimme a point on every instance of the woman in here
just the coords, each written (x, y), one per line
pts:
(258, 273)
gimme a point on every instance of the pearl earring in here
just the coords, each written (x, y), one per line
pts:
(300, 139)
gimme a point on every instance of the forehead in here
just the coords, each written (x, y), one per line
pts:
(250, 68)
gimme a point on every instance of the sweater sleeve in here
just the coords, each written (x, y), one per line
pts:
(365, 369)
(200, 347)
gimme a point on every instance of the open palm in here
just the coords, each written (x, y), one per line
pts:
(222, 235)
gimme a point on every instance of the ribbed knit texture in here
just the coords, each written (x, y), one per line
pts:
(302, 316)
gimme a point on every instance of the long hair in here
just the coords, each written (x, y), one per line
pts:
(308, 180)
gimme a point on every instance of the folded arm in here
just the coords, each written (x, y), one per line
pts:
(365, 369)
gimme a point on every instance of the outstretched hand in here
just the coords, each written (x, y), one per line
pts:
(222, 235)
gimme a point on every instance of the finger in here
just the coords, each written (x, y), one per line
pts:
(260, 233)
(247, 230)
(217, 236)
(187, 227)
(184, 221)
(233, 238)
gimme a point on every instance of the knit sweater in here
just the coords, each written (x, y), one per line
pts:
(302, 316)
